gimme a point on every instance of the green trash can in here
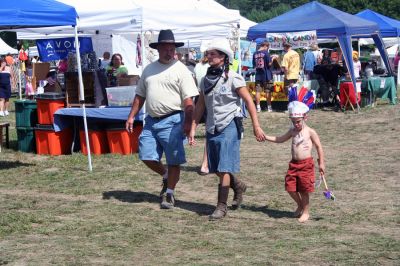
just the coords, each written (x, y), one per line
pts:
(26, 113)
(26, 139)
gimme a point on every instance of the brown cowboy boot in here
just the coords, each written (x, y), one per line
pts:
(239, 187)
(221, 209)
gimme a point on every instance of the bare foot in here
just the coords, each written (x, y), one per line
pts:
(304, 217)
(298, 212)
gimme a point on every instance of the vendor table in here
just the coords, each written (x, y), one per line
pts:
(381, 87)
(279, 98)
(66, 117)
(277, 94)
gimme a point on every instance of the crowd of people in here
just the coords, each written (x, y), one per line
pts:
(167, 89)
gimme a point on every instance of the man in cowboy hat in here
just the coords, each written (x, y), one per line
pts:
(167, 87)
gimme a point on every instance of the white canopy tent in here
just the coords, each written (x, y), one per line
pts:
(191, 21)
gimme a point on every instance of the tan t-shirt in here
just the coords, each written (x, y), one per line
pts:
(291, 61)
(165, 87)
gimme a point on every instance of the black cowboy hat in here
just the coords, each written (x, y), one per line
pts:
(165, 36)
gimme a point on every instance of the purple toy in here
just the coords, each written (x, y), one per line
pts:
(328, 194)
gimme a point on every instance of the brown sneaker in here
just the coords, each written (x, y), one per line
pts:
(219, 213)
(168, 201)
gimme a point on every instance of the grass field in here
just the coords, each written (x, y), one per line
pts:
(53, 211)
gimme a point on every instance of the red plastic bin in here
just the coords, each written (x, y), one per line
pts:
(122, 142)
(47, 104)
(53, 143)
(97, 140)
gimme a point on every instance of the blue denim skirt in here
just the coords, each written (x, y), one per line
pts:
(223, 150)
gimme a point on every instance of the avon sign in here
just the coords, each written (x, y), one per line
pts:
(56, 49)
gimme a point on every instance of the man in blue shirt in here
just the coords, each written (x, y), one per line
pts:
(262, 63)
(309, 63)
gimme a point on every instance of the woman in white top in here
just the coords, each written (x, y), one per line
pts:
(356, 65)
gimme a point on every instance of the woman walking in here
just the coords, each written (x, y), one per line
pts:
(221, 94)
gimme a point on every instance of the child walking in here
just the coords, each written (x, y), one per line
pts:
(300, 178)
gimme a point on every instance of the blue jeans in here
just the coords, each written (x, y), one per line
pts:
(163, 135)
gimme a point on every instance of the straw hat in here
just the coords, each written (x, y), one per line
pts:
(297, 109)
(221, 45)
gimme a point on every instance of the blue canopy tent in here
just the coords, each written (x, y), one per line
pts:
(329, 23)
(35, 13)
(389, 27)
(44, 13)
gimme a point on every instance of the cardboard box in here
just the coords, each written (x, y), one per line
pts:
(128, 80)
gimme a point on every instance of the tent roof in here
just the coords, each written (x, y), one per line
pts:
(35, 13)
(189, 19)
(5, 48)
(327, 21)
(389, 27)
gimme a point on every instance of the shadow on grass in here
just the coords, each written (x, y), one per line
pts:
(200, 208)
(11, 164)
(192, 169)
(273, 213)
(138, 197)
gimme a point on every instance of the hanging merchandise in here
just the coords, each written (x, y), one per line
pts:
(72, 62)
(93, 63)
(138, 51)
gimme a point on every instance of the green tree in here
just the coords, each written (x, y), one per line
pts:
(9, 38)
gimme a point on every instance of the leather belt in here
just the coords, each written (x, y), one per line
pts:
(168, 115)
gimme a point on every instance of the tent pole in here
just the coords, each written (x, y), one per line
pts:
(349, 65)
(82, 96)
(238, 51)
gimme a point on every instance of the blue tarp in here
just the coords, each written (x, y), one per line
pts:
(328, 23)
(15, 14)
(388, 27)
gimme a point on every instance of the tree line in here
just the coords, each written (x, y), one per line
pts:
(261, 10)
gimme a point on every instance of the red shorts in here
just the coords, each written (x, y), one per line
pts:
(300, 176)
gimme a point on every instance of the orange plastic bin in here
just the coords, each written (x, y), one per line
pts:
(97, 140)
(47, 104)
(122, 142)
(53, 143)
